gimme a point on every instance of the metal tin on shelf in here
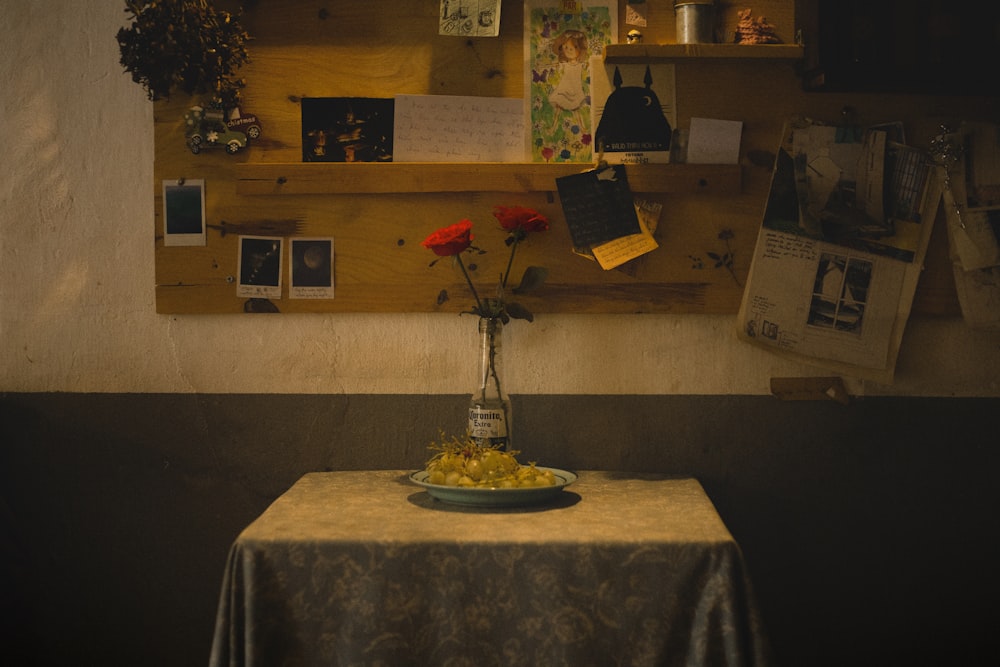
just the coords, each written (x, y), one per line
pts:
(695, 21)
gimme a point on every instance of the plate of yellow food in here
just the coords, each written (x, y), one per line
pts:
(464, 473)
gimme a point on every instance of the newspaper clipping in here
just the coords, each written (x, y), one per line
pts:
(839, 252)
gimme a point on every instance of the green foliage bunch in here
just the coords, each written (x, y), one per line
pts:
(184, 44)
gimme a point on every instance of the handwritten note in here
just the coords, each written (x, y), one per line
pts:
(615, 253)
(788, 246)
(453, 128)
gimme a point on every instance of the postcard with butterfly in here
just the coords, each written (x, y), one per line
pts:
(559, 39)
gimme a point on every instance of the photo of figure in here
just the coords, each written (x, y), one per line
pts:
(566, 98)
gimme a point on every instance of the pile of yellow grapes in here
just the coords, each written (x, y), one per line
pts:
(464, 463)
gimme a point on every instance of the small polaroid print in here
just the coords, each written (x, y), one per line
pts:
(260, 267)
(310, 270)
(184, 213)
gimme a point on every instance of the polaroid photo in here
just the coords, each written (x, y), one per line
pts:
(260, 266)
(310, 268)
(184, 213)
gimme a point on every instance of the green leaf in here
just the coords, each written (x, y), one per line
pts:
(533, 278)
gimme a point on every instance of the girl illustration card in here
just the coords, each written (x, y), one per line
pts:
(560, 36)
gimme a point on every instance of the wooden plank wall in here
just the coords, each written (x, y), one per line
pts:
(382, 48)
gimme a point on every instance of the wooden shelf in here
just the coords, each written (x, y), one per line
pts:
(324, 178)
(630, 54)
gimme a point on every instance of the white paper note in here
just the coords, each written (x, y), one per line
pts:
(454, 128)
(713, 141)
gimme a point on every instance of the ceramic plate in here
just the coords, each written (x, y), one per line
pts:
(485, 497)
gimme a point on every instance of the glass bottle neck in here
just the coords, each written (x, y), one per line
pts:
(489, 383)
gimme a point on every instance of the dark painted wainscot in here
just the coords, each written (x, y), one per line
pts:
(869, 529)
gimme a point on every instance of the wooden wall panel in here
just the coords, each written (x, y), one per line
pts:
(310, 48)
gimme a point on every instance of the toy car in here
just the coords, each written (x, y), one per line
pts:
(245, 123)
(207, 127)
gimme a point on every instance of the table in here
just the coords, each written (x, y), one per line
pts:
(365, 568)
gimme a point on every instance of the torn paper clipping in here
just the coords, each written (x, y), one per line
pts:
(469, 18)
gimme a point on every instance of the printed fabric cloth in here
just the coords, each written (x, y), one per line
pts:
(365, 568)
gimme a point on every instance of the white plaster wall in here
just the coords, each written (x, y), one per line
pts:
(76, 276)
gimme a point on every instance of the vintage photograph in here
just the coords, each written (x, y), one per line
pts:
(868, 195)
(840, 292)
(347, 129)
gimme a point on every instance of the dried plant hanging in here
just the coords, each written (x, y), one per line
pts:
(187, 45)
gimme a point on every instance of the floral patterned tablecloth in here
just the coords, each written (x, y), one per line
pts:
(365, 568)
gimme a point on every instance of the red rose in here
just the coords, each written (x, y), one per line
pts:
(451, 240)
(514, 218)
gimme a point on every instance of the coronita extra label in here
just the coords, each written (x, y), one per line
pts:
(488, 426)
